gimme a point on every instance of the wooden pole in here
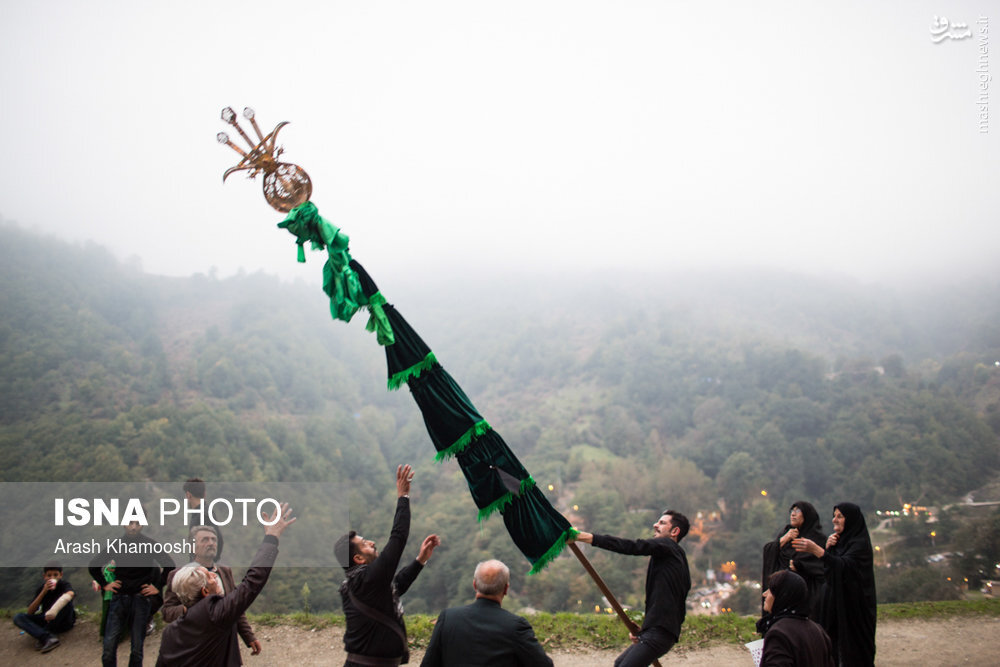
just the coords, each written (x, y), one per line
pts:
(629, 623)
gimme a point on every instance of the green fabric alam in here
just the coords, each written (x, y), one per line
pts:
(448, 413)
(340, 281)
(402, 377)
(506, 499)
(464, 441)
(496, 479)
(377, 320)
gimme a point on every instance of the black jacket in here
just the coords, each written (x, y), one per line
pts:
(206, 634)
(134, 570)
(173, 609)
(796, 641)
(373, 585)
(483, 634)
(667, 578)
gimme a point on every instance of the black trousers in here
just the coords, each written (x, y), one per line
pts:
(653, 643)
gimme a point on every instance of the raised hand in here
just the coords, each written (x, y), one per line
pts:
(404, 475)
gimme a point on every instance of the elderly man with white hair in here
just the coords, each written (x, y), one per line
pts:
(206, 633)
(206, 543)
(482, 633)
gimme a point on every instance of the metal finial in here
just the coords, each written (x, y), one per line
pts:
(285, 185)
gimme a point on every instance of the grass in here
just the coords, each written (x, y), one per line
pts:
(945, 608)
(601, 631)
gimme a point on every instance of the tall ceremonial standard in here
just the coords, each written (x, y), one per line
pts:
(497, 480)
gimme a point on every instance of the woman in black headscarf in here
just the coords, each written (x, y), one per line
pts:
(848, 614)
(790, 638)
(779, 554)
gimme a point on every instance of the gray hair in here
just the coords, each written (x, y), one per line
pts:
(491, 577)
(188, 582)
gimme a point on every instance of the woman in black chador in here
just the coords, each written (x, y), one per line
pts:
(848, 613)
(790, 638)
(779, 554)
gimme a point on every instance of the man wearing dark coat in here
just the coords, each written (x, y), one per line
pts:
(668, 581)
(206, 633)
(375, 633)
(483, 634)
(205, 549)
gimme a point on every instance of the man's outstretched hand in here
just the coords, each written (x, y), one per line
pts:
(430, 543)
(404, 475)
(282, 519)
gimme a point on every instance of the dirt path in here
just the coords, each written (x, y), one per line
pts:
(957, 641)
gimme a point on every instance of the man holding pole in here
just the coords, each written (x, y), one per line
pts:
(667, 584)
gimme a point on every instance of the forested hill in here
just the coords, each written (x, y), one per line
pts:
(622, 392)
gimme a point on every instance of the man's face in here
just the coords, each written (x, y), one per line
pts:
(53, 574)
(366, 549)
(663, 527)
(133, 528)
(206, 546)
(214, 586)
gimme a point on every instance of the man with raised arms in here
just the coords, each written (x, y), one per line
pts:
(375, 634)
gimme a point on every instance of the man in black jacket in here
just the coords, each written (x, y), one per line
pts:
(206, 633)
(667, 584)
(375, 634)
(140, 575)
(483, 634)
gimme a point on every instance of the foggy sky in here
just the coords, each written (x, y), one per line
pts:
(449, 136)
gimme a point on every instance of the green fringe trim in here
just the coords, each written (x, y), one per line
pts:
(397, 380)
(503, 501)
(554, 550)
(476, 431)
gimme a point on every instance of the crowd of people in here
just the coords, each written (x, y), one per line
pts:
(819, 592)
(818, 602)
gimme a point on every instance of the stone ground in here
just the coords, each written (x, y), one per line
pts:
(951, 641)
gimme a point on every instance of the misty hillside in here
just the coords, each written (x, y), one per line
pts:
(624, 392)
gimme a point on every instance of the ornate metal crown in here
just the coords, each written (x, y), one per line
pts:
(285, 185)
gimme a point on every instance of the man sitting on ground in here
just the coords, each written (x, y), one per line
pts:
(54, 599)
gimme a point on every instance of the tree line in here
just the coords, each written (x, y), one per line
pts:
(700, 392)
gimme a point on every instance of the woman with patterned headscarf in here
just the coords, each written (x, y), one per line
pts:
(790, 638)
(779, 554)
(848, 613)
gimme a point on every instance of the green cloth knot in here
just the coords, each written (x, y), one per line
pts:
(340, 281)
(377, 320)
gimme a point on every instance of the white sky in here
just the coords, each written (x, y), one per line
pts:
(816, 136)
